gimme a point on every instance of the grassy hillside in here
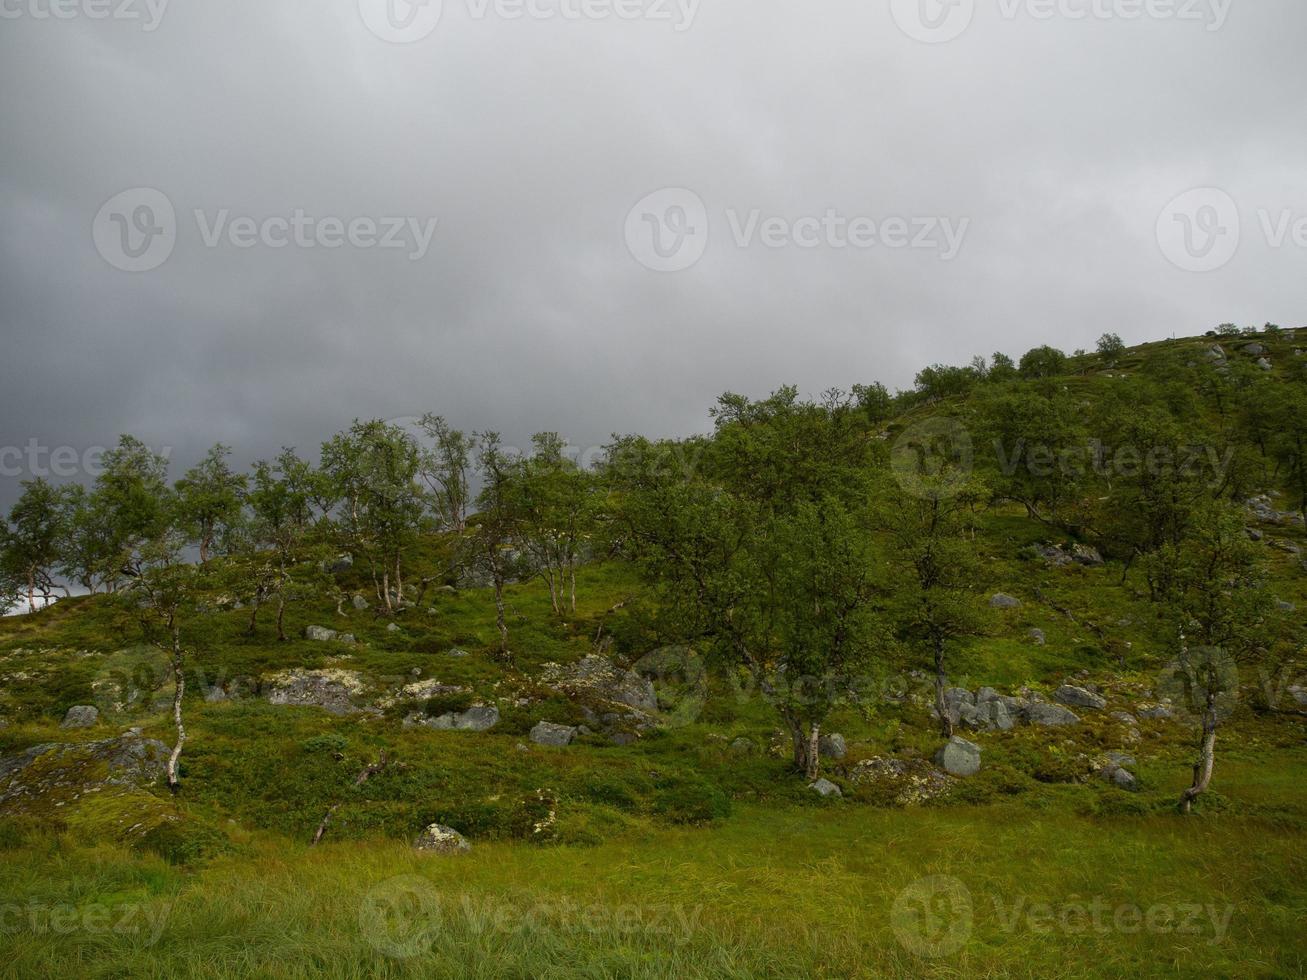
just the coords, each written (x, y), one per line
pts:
(692, 849)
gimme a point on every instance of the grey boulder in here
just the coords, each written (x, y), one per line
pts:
(1003, 601)
(439, 839)
(824, 787)
(959, 757)
(1050, 715)
(548, 733)
(1080, 698)
(80, 716)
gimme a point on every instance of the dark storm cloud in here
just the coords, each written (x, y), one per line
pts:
(1048, 146)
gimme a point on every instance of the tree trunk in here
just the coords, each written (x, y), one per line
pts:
(807, 756)
(281, 617)
(1206, 758)
(31, 592)
(573, 574)
(179, 680)
(941, 703)
(501, 619)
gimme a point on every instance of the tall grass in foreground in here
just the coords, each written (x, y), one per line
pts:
(777, 894)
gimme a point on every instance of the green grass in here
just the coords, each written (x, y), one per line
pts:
(771, 893)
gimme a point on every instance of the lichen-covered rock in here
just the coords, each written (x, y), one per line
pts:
(320, 634)
(439, 839)
(1155, 712)
(1037, 637)
(1003, 601)
(548, 733)
(824, 787)
(1078, 697)
(359, 603)
(332, 689)
(832, 746)
(478, 718)
(899, 782)
(81, 716)
(58, 772)
(1050, 715)
(598, 677)
(422, 690)
(959, 757)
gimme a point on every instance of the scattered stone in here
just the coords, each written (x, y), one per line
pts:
(320, 634)
(959, 757)
(832, 746)
(1264, 364)
(439, 839)
(743, 746)
(81, 716)
(1155, 712)
(1050, 715)
(548, 733)
(1037, 637)
(1285, 607)
(359, 603)
(902, 783)
(1122, 778)
(392, 627)
(824, 787)
(1254, 350)
(456, 653)
(57, 773)
(1080, 698)
(478, 718)
(1125, 718)
(600, 677)
(342, 564)
(1002, 601)
(332, 689)
(1253, 534)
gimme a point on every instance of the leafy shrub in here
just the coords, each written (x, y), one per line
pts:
(331, 743)
(183, 842)
(691, 801)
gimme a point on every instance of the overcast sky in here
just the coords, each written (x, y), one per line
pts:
(953, 179)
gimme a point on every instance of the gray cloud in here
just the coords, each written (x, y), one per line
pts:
(1061, 141)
